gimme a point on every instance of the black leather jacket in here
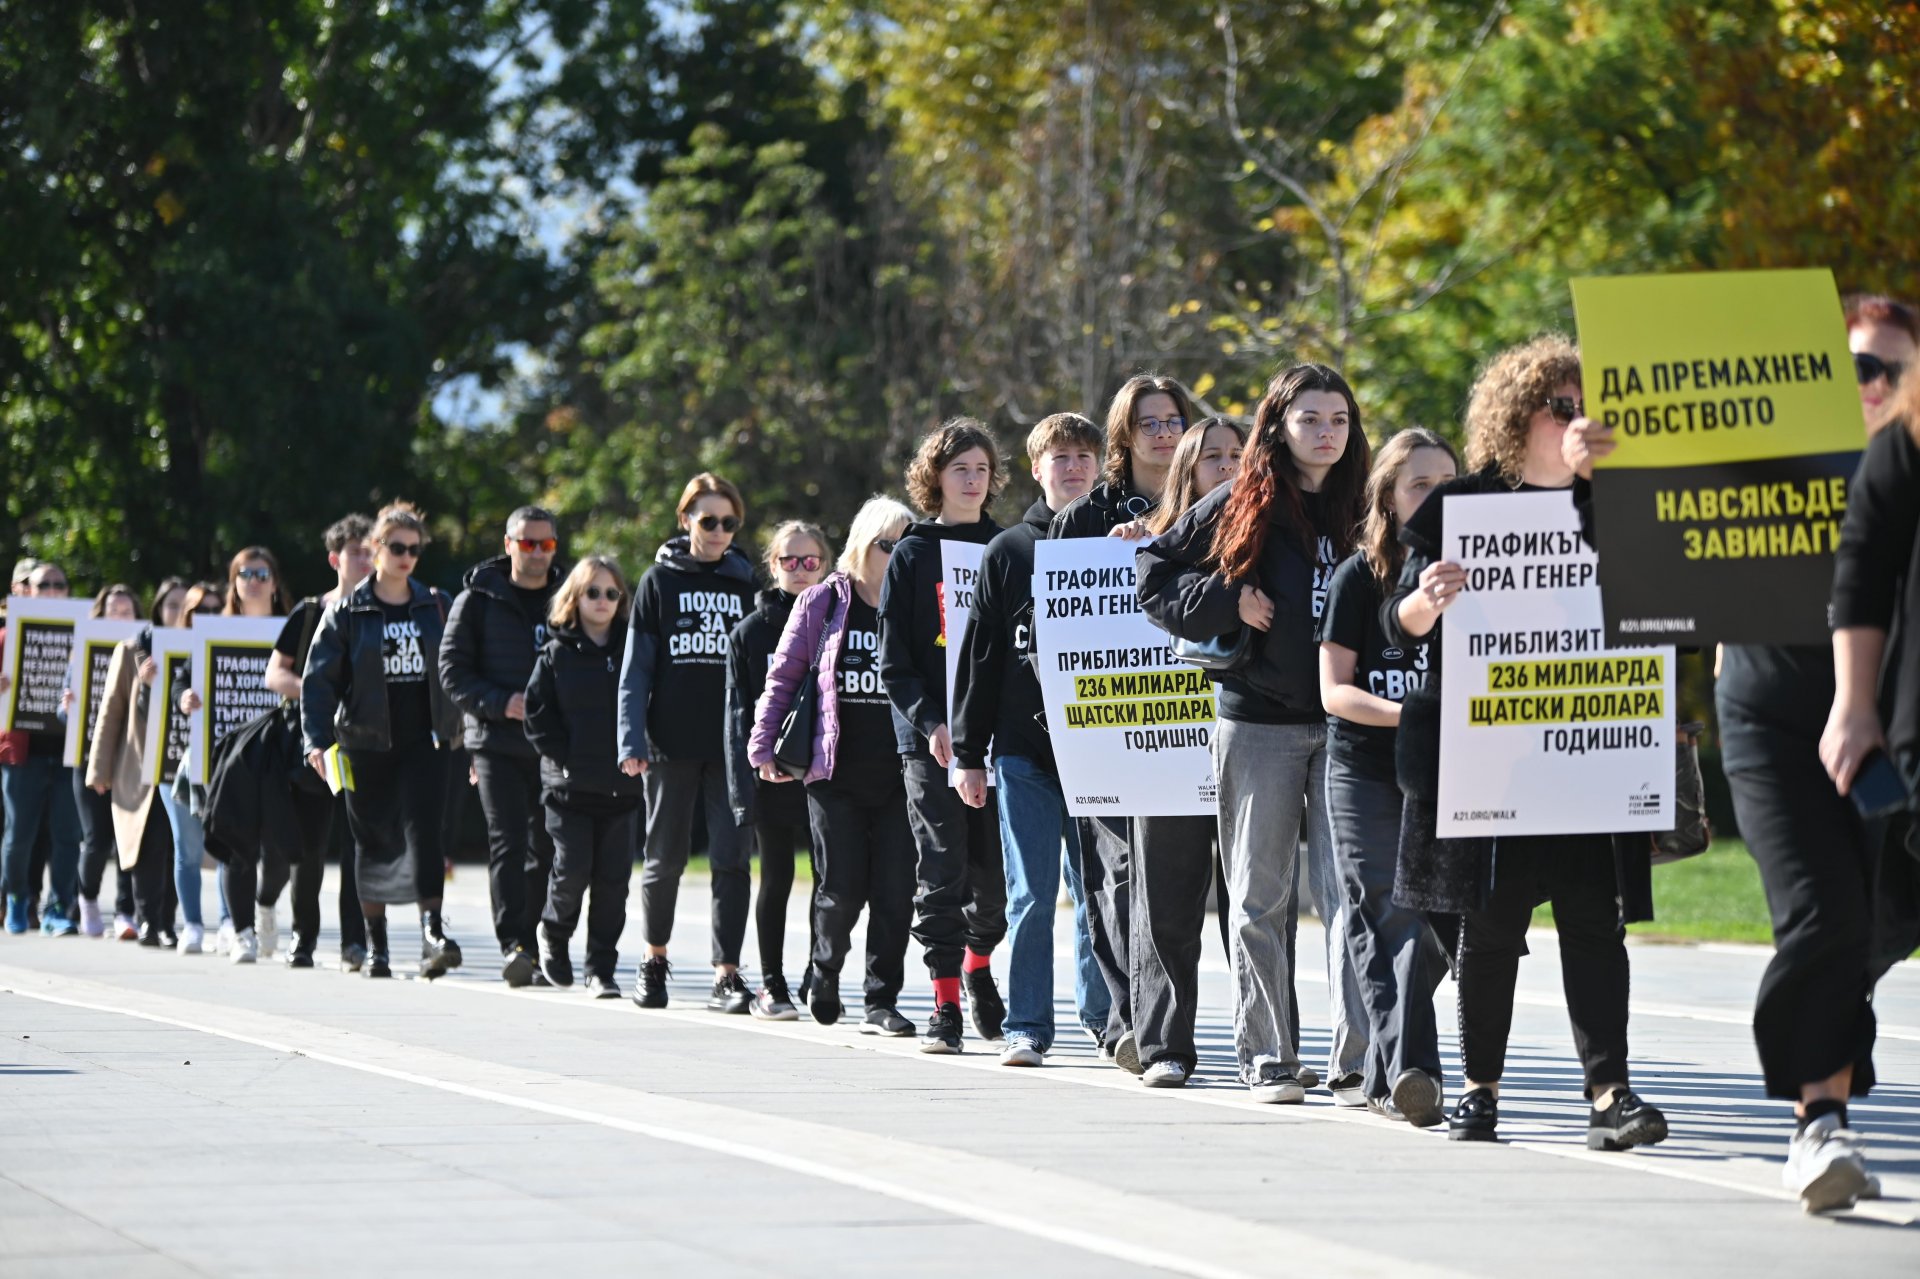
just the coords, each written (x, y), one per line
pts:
(343, 692)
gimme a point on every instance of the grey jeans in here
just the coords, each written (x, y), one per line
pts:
(1272, 782)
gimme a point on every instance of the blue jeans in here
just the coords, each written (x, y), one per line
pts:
(189, 855)
(42, 787)
(1033, 827)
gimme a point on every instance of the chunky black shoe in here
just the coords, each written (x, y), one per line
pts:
(149, 936)
(378, 962)
(824, 1000)
(556, 965)
(984, 1002)
(602, 986)
(943, 1030)
(301, 956)
(1625, 1123)
(516, 965)
(352, 956)
(730, 993)
(439, 954)
(887, 1022)
(653, 982)
(1474, 1117)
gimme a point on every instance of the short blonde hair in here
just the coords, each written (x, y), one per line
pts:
(1061, 430)
(564, 610)
(796, 528)
(1511, 388)
(879, 517)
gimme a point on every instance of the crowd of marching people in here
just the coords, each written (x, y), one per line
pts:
(798, 699)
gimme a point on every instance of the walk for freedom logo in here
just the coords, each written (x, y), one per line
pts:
(1644, 802)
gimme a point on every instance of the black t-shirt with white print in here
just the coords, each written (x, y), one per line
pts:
(866, 720)
(1351, 619)
(409, 711)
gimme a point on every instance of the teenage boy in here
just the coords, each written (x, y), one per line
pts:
(998, 710)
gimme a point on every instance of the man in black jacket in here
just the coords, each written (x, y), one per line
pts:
(997, 704)
(485, 660)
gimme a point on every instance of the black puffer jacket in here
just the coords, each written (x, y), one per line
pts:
(488, 654)
(749, 650)
(570, 713)
(343, 691)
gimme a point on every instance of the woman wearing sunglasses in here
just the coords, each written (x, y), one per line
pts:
(371, 686)
(673, 690)
(797, 555)
(1884, 336)
(856, 793)
(589, 802)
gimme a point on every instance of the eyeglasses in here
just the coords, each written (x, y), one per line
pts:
(611, 594)
(1157, 427)
(254, 574)
(529, 545)
(885, 545)
(799, 563)
(729, 523)
(409, 550)
(1565, 408)
(1868, 367)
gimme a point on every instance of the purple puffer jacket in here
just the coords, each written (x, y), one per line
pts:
(798, 643)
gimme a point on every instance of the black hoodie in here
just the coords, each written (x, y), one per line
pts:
(488, 651)
(673, 679)
(913, 629)
(996, 697)
(749, 652)
(570, 713)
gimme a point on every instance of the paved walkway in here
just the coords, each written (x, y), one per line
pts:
(166, 1115)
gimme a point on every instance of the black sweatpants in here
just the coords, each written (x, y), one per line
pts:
(780, 828)
(315, 810)
(520, 847)
(97, 847)
(155, 895)
(1172, 861)
(1106, 870)
(863, 846)
(592, 854)
(960, 902)
(253, 875)
(676, 789)
(1814, 1013)
(396, 809)
(1576, 874)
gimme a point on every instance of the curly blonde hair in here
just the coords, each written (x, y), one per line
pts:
(936, 452)
(1511, 388)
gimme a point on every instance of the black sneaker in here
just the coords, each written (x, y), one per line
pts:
(1474, 1117)
(773, 1003)
(824, 1000)
(556, 965)
(439, 953)
(885, 1021)
(516, 965)
(352, 956)
(943, 1030)
(1349, 1092)
(301, 956)
(602, 986)
(984, 1002)
(149, 936)
(730, 993)
(653, 982)
(1624, 1124)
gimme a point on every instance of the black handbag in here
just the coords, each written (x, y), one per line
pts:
(793, 747)
(1692, 833)
(1221, 655)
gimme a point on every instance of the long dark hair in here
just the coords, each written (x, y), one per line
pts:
(1267, 490)
(1183, 488)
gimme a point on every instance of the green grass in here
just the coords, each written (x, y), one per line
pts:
(1713, 897)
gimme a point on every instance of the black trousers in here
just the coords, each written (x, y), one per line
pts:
(315, 811)
(1106, 870)
(97, 846)
(864, 848)
(676, 789)
(1814, 1013)
(1172, 865)
(254, 875)
(960, 901)
(780, 828)
(396, 809)
(155, 895)
(592, 854)
(520, 847)
(1576, 874)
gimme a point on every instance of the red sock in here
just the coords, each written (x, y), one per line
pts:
(946, 990)
(975, 961)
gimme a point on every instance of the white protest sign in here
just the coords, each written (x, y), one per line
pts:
(39, 641)
(230, 656)
(1543, 729)
(93, 643)
(168, 727)
(1130, 726)
(959, 571)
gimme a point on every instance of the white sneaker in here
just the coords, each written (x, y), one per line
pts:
(91, 924)
(1826, 1166)
(1020, 1052)
(124, 929)
(1165, 1074)
(267, 929)
(1276, 1084)
(193, 939)
(223, 940)
(246, 947)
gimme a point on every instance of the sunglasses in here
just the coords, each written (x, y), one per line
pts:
(611, 594)
(729, 523)
(410, 550)
(529, 545)
(1868, 367)
(255, 575)
(799, 563)
(50, 584)
(1157, 427)
(885, 545)
(1565, 408)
